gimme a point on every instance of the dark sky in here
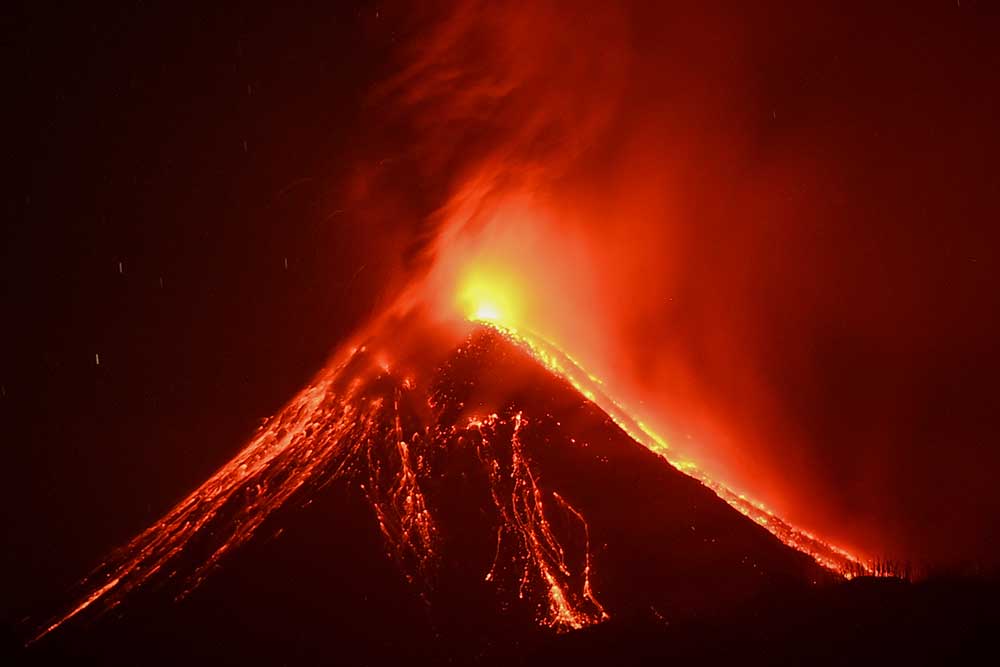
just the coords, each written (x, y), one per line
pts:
(168, 163)
(201, 147)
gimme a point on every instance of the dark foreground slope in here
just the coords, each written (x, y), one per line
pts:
(946, 621)
(485, 510)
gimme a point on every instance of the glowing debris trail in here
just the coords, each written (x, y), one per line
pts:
(351, 423)
(563, 365)
(519, 501)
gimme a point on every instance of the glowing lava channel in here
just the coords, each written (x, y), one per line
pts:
(562, 364)
(559, 362)
(352, 423)
(520, 503)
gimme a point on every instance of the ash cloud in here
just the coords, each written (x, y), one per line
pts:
(764, 227)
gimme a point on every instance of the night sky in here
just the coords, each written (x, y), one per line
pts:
(203, 148)
(201, 203)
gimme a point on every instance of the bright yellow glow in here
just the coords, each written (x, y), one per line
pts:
(488, 294)
(487, 311)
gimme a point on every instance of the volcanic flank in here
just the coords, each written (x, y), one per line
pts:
(453, 491)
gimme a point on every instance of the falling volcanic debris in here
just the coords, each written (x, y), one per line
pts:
(638, 266)
(389, 417)
(388, 413)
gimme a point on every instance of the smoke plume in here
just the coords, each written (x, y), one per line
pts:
(744, 220)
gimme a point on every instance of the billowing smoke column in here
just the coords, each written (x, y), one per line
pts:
(571, 207)
(614, 189)
(580, 169)
(687, 199)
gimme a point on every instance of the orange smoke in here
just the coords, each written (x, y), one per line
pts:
(575, 190)
(624, 181)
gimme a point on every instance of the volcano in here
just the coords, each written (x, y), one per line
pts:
(420, 495)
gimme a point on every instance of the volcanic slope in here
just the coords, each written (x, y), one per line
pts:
(440, 500)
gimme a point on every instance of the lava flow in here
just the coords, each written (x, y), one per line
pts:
(391, 417)
(362, 422)
(562, 364)
(489, 294)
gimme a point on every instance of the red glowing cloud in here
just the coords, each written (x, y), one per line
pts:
(663, 194)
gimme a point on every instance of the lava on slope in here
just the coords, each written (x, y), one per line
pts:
(565, 366)
(487, 475)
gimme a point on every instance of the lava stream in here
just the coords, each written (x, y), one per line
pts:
(358, 421)
(565, 366)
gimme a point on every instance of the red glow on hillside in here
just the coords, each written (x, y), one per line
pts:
(591, 202)
(524, 271)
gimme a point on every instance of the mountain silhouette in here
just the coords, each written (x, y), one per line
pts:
(425, 499)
